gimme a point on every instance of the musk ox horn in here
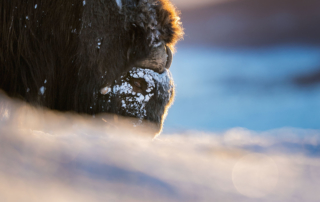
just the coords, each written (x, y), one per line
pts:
(170, 57)
(160, 58)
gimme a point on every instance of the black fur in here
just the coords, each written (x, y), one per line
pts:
(58, 54)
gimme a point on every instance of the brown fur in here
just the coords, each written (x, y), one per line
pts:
(53, 46)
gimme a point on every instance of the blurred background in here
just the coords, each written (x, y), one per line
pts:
(247, 63)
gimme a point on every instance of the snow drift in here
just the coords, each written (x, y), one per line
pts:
(52, 156)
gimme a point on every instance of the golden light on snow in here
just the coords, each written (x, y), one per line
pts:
(51, 156)
(255, 175)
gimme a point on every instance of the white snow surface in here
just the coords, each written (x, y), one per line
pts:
(84, 159)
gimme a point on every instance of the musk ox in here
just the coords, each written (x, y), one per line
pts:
(90, 56)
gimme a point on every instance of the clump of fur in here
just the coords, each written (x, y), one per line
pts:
(159, 20)
(171, 24)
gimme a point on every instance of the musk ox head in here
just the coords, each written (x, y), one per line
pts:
(90, 56)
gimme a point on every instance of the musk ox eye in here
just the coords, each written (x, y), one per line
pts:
(138, 84)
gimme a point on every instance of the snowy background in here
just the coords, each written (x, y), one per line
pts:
(244, 125)
(247, 63)
(255, 88)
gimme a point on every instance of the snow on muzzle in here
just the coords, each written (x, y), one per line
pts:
(141, 93)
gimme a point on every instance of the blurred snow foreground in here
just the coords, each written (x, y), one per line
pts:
(51, 156)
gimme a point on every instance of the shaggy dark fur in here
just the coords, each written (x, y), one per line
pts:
(59, 54)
